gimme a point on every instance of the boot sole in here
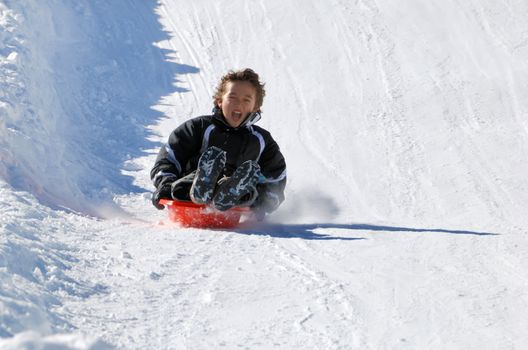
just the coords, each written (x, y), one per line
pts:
(242, 182)
(209, 170)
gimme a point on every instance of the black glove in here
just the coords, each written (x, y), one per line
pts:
(163, 192)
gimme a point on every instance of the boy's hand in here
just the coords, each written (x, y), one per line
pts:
(163, 192)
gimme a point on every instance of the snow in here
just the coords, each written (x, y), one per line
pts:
(405, 130)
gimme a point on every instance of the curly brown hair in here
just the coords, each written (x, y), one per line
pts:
(246, 74)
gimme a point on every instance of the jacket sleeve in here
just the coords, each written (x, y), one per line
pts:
(184, 142)
(273, 181)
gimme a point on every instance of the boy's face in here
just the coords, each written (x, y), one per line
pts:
(238, 101)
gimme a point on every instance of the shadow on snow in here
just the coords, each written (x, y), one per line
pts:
(109, 75)
(368, 227)
(307, 231)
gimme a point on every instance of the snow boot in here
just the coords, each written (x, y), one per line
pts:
(210, 167)
(239, 189)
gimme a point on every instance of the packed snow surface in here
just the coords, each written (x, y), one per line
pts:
(405, 130)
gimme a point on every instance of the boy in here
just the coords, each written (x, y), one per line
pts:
(223, 159)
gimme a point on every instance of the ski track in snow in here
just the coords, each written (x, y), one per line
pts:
(405, 132)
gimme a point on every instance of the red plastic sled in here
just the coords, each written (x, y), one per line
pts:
(189, 214)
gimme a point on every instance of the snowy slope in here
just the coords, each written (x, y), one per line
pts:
(405, 128)
(415, 112)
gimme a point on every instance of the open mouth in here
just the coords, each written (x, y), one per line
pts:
(236, 115)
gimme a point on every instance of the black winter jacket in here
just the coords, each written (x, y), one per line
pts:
(180, 155)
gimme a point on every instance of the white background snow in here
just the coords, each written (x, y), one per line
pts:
(405, 129)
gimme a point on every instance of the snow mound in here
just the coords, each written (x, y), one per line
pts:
(33, 340)
(77, 89)
(34, 265)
